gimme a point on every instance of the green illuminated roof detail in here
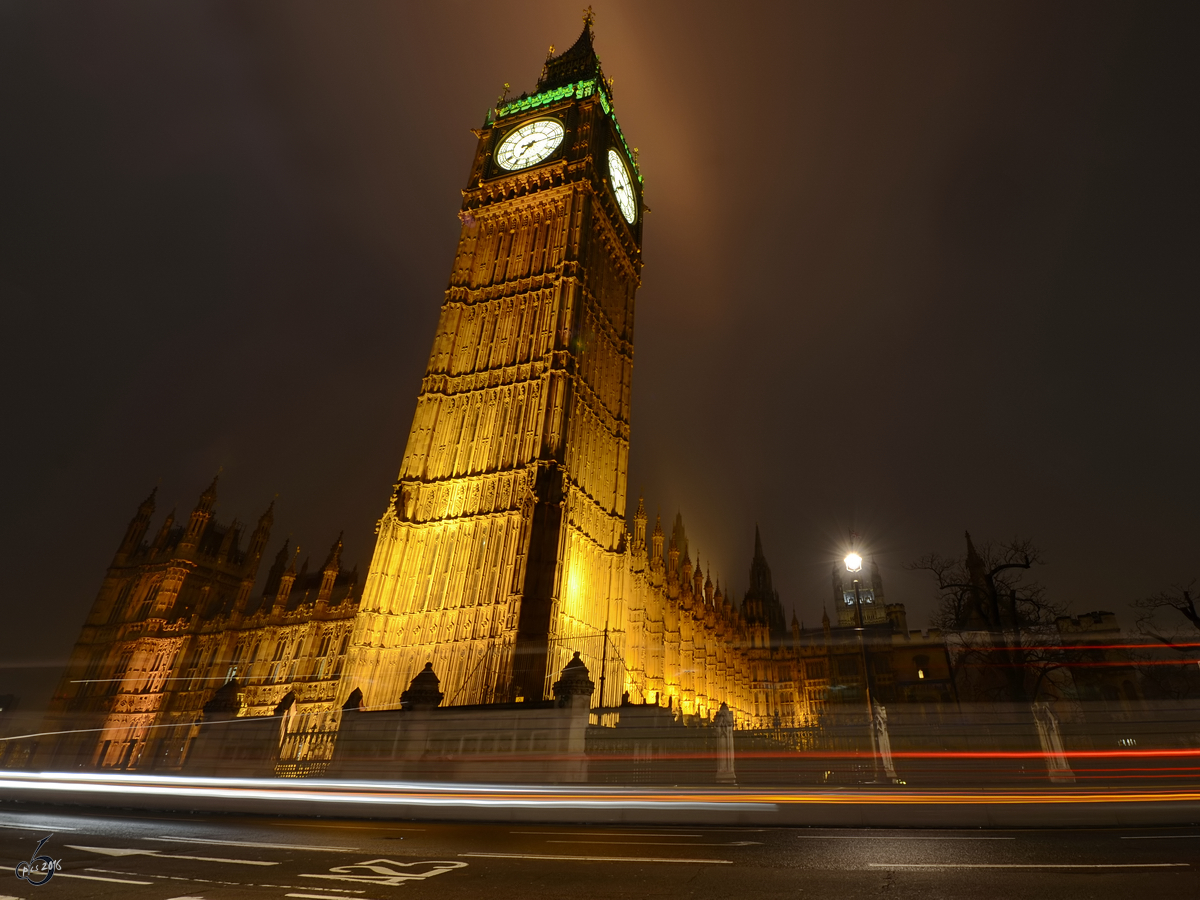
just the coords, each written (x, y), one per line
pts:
(578, 91)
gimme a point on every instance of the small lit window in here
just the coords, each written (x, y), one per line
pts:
(920, 673)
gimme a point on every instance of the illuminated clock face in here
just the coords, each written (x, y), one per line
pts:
(622, 187)
(529, 144)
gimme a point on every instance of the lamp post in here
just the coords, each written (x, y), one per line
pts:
(854, 566)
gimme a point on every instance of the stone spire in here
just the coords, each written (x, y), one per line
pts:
(202, 514)
(330, 571)
(258, 540)
(138, 526)
(656, 545)
(639, 529)
(577, 63)
(761, 603)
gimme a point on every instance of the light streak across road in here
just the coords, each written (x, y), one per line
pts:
(418, 794)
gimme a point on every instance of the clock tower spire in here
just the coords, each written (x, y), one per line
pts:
(499, 554)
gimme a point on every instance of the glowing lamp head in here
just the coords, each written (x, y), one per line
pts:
(853, 563)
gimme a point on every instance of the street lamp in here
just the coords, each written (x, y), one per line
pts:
(853, 565)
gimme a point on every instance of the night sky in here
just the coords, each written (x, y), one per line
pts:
(910, 268)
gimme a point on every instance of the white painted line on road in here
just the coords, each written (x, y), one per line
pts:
(359, 828)
(215, 843)
(323, 896)
(154, 854)
(36, 827)
(665, 843)
(611, 833)
(1026, 865)
(724, 862)
(98, 878)
(313, 896)
(885, 837)
(1158, 837)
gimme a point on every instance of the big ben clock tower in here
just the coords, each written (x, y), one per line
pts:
(501, 550)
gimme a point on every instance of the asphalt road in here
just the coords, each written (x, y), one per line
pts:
(160, 856)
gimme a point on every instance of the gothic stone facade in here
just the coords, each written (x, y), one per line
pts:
(175, 618)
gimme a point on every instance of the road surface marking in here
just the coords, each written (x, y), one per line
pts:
(665, 843)
(98, 878)
(314, 896)
(1157, 837)
(1026, 865)
(884, 837)
(611, 833)
(382, 872)
(726, 862)
(37, 827)
(189, 840)
(135, 851)
(334, 895)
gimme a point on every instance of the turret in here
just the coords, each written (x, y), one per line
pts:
(285, 585)
(760, 605)
(275, 573)
(160, 540)
(639, 531)
(672, 562)
(698, 580)
(330, 572)
(201, 515)
(708, 588)
(656, 546)
(258, 540)
(137, 527)
(977, 613)
(229, 543)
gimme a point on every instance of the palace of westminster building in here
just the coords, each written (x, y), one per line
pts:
(505, 546)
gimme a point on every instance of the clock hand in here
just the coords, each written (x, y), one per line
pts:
(528, 149)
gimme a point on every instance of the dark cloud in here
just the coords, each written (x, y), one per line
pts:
(910, 268)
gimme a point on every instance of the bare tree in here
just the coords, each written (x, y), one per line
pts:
(1000, 625)
(1179, 599)
(1170, 619)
